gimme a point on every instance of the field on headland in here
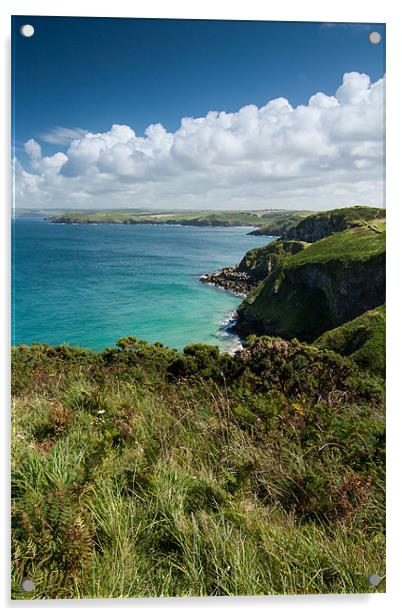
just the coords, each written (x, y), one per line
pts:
(256, 218)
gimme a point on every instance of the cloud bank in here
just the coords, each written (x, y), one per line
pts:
(328, 153)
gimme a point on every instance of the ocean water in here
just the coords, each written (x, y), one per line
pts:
(90, 285)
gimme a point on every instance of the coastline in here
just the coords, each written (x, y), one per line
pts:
(189, 254)
(171, 222)
(235, 283)
(226, 333)
(231, 280)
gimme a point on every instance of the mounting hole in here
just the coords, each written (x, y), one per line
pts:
(374, 579)
(27, 30)
(374, 38)
(27, 585)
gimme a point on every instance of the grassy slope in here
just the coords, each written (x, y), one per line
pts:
(281, 224)
(144, 472)
(259, 262)
(324, 223)
(362, 339)
(358, 244)
(198, 218)
(297, 298)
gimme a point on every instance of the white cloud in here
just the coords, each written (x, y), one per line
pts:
(33, 150)
(60, 135)
(325, 154)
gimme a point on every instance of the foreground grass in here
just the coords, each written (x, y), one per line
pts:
(134, 476)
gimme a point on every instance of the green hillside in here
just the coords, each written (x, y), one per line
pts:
(259, 262)
(319, 288)
(281, 225)
(322, 224)
(362, 339)
(253, 268)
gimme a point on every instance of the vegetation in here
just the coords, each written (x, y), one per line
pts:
(281, 225)
(254, 218)
(362, 339)
(141, 471)
(321, 287)
(358, 244)
(322, 224)
(254, 267)
(259, 262)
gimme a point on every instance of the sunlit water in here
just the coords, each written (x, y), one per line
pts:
(89, 285)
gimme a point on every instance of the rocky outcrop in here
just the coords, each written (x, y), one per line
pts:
(323, 224)
(256, 265)
(231, 280)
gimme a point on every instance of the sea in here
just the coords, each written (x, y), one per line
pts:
(91, 284)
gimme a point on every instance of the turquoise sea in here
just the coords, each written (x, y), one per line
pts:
(90, 285)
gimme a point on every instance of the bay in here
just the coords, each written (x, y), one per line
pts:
(90, 285)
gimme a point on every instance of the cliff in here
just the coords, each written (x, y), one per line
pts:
(280, 225)
(254, 267)
(320, 225)
(329, 283)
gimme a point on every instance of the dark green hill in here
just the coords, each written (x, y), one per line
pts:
(259, 262)
(254, 267)
(317, 226)
(362, 339)
(329, 283)
(281, 224)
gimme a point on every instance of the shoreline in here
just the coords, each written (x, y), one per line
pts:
(227, 279)
(226, 332)
(169, 222)
(231, 280)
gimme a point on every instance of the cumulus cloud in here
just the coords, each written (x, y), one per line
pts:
(327, 153)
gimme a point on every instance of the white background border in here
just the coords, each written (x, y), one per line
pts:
(291, 10)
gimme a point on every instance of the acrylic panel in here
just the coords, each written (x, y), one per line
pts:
(198, 308)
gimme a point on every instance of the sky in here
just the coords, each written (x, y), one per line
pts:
(179, 114)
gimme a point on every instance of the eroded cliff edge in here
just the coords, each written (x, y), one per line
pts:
(329, 283)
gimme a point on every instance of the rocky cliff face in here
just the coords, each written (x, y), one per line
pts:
(254, 267)
(326, 285)
(323, 224)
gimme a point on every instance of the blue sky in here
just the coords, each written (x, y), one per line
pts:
(91, 73)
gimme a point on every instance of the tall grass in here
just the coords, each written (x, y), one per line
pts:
(129, 484)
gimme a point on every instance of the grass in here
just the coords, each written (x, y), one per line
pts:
(142, 472)
(357, 244)
(319, 288)
(259, 262)
(317, 225)
(254, 218)
(362, 339)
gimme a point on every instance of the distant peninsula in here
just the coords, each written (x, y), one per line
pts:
(207, 218)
